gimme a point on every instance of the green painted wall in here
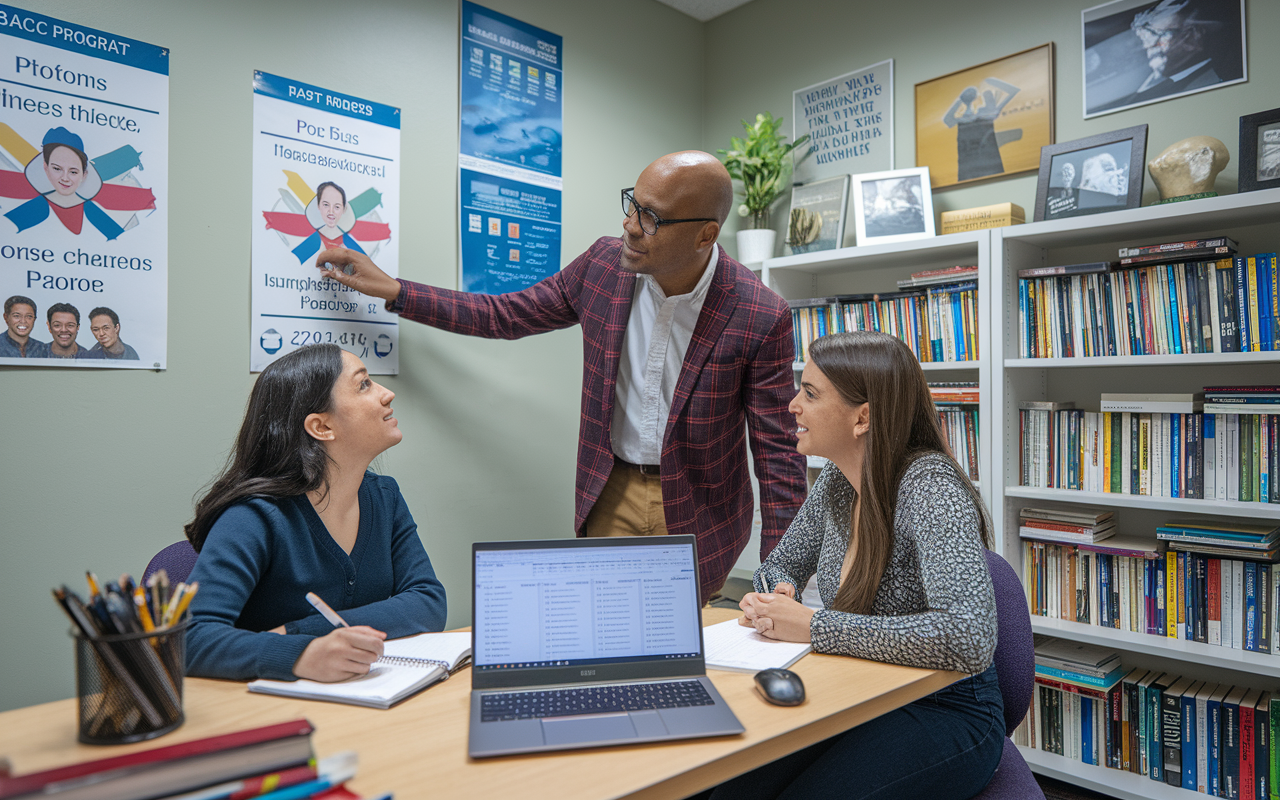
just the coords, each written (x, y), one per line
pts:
(757, 55)
(98, 468)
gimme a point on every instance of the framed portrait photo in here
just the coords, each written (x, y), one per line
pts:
(893, 206)
(1092, 175)
(1260, 151)
(986, 121)
(1138, 52)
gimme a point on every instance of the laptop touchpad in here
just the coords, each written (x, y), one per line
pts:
(602, 729)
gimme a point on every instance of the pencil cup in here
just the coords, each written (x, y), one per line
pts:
(130, 686)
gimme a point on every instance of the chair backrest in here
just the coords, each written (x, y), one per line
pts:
(1015, 651)
(177, 560)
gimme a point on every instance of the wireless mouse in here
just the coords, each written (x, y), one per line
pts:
(782, 687)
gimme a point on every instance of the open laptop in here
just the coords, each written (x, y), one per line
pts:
(588, 642)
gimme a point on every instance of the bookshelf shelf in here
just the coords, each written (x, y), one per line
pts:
(1185, 359)
(1178, 505)
(1113, 782)
(1209, 655)
(957, 247)
(940, 366)
(1253, 220)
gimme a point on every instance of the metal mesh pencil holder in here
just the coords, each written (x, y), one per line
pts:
(129, 686)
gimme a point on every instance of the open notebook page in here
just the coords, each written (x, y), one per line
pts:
(731, 646)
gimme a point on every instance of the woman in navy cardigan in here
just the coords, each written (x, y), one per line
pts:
(295, 511)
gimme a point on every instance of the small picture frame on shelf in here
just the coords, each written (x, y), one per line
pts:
(892, 206)
(818, 210)
(1260, 151)
(1092, 175)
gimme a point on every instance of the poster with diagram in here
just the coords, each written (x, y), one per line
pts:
(326, 174)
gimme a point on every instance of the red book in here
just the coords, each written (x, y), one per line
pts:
(1247, 788)
(1032, 522)
(244, 749)
(1215, 600)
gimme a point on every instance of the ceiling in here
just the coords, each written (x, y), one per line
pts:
(703, 10)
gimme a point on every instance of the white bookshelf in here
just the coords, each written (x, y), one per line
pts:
(878, 268)
(1252, 219)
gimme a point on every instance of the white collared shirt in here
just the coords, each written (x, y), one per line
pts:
(658, 334)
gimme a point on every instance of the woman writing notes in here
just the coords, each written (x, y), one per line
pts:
(296, 511)
(895, 532)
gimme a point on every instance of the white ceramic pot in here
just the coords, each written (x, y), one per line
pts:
(756, 245)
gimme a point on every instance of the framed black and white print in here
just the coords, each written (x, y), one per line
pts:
(1260, 151)
(892, 206)
(1145, 51)
(1092, 175)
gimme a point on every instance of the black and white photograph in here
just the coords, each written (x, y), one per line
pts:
(1138, 52)
(817, 217)
(893, 206)
(1093, 175)
(1260, 151)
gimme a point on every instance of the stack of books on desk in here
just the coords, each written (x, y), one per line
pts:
(267, 762)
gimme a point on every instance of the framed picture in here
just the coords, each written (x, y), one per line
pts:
(817, 216)
(892, 206)
(986, 121)
(1092, 175)
(1144, 51)
(1260, 151)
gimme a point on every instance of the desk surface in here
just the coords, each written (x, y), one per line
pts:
(419, 748)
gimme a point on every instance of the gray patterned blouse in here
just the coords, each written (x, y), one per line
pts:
(935, 607)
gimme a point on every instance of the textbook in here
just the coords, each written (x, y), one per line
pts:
(407, 666)
(737, 648)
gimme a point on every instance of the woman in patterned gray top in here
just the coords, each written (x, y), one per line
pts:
(902, 575)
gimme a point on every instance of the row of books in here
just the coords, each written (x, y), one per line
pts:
(938, 323)
(1216, 739)
(271, 762)
(1102, 309)
(1136, 585)
(1223, 457)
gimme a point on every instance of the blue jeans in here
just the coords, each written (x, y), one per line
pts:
(946, 745)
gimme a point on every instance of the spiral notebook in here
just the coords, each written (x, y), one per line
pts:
(407, 666)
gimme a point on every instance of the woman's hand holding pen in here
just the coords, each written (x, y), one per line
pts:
(777, 615)
(357, 271)
(341, 654)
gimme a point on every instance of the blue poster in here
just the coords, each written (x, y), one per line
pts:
(510, 152)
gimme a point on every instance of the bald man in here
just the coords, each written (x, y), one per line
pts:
(685, 351)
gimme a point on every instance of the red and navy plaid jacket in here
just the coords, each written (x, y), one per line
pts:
(737, 369)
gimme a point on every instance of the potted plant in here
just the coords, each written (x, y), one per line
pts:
(763, 163)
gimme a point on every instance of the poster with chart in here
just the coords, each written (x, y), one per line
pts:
(326, 173)
(84, 155)
(509, 157)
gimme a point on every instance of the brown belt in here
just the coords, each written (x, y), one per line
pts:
(643, 469)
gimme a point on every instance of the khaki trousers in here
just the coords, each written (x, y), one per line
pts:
(629, 505)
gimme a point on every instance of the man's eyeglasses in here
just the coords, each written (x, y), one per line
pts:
(649, 221)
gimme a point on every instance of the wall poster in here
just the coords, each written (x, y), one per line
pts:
(849, 121)
(509, 152)
(84, 155)
(326, 173)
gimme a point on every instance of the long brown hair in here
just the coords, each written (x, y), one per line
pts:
(876, 368)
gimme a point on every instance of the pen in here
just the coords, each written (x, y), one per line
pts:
(144, 613)
(328, 613)
(185, 600)
(93, 585)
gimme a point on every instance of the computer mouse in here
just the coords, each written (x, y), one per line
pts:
(782, 687)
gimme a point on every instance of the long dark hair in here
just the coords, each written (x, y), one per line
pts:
(274, 456)
(879, 369)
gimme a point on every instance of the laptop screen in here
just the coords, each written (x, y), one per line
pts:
(585, 602)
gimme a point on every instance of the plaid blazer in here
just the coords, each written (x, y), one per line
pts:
(738, 369)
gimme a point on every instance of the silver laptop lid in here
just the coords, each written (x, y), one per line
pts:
(577, 610)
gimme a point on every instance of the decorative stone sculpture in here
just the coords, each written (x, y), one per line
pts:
(1188, 168)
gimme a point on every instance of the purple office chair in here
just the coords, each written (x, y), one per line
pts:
(178, 559)
(1015, 669)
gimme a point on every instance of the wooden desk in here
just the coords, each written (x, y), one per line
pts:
(419, 748)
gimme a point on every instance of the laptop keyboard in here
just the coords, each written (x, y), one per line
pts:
(592, 700)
